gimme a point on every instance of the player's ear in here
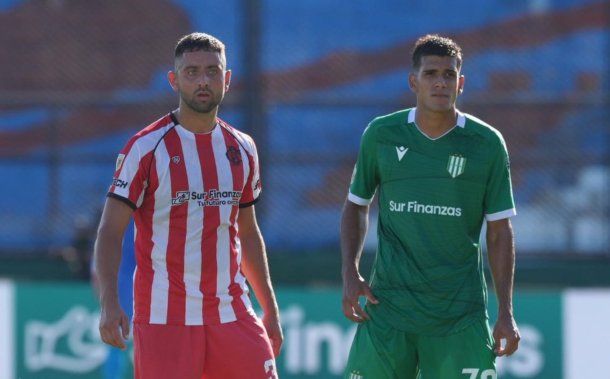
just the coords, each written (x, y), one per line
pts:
(413, 81)
(172, 79)
(461, 82)
(227, 80)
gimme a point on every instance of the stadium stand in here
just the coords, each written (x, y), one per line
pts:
(535, 70)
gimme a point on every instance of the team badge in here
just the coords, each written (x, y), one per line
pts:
(233, 155)
(176, 159)
(456, 165)
(119, 161)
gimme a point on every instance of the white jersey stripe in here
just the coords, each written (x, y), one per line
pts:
(192, 260)
(223, 242)
(245, 163)
(241, 280)
(239, 277)
(160, 283)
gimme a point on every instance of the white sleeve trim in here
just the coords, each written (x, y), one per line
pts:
(501, 215)
(358, 200)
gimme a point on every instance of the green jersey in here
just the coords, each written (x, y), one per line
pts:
(433, 197)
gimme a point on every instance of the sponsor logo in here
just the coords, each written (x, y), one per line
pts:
(211, 198)
(119, 183)
(181, 197)
(314, 346)
(119, 161)
(401, 151)
(415, 207)
(530, 360)
(233, 155)
(456, 165)
(176, 159)
(70, 344)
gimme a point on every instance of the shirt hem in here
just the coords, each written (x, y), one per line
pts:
(238, 316)
(249, 204)
(501, 215)
(358, 200)
(122, 199)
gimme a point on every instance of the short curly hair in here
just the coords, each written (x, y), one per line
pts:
(199, 42)
(433, 44)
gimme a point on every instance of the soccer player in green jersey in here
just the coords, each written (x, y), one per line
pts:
(439, 174)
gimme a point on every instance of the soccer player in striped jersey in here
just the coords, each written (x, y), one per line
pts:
(190, 180)
(439, 174)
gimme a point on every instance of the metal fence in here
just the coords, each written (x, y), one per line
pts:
(306, 104)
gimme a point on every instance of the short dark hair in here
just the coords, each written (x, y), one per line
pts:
(199, 42)
(433, 44)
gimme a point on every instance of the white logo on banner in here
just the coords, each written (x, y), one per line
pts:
(78, 327)
(303, 350)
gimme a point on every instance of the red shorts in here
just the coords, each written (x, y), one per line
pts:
(239, 349)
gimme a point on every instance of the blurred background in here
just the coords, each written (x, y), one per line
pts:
(79, 78)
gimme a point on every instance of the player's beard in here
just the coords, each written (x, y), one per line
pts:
(199, 107)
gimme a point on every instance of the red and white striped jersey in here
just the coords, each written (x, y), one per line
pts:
(186, 189)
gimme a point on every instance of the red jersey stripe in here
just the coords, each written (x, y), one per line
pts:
(211, 221)
(143, 246)
(236, 157)
(159, 124)
(177, 225)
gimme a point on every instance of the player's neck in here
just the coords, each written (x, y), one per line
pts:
(196, 122)
(435, 124)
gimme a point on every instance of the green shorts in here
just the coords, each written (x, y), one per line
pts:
(382, 352)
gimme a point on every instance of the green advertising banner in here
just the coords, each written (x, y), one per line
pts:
(317, 335)
(57, 338)
(57, 334)
(539, 317)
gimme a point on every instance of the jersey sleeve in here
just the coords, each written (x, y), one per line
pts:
(253, 187)
(129, 181)
(499, 202)
(365, 177)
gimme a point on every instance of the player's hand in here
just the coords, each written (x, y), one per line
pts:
(506, 329)
(114, 325)
(271, 321)
(355, 286)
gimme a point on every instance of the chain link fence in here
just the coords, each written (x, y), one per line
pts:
(84, 78)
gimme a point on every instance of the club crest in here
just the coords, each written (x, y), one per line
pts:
(233, 155)
(456, 165)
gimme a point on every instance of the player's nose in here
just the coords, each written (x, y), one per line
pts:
(440, 82)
